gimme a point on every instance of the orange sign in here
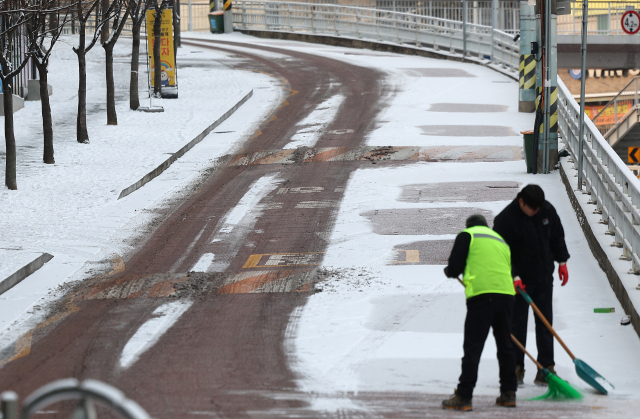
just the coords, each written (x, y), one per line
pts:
(608, 116)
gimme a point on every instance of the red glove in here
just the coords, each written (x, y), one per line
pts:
(517, 282)
(563, 273)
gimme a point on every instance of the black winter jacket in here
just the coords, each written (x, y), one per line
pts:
(535, 242)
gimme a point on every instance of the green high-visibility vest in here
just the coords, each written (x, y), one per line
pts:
(488, 267)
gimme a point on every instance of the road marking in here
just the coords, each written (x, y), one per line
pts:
(317, 204)
(188, 249)
(340, 131)
(282, 259)
(23, 345)
(257, 191)
(151, 331)
(117, 265)
(411, 256)
(203, 263)
(302, 189)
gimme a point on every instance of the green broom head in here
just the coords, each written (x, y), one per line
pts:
(558, 388)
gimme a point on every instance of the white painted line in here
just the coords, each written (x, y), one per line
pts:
(203, 263)
(189, 248)
(313, 126)
(248, 202)
(317, 204)
(151, 331)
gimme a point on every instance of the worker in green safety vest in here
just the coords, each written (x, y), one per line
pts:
(485, 260)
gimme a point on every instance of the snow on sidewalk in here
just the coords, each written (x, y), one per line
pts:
(70, 209)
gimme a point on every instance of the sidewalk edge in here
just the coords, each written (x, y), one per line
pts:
(14, 279)
(165, 165)
(600, 255)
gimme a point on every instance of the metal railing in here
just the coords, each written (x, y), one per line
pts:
(618, 108)
(604, 16)
(380, 26)
(614, 189)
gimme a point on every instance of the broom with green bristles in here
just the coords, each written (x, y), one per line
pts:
(558, 388)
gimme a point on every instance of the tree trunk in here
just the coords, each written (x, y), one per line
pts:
(47, 123)
(134, 99)
(112, 116)
(9, 137)
(82, 134)
(157, 68)
(104, 35)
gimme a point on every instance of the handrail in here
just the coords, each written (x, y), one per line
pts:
(483, 43)
(620, 107)
(616, 96)
(614, 189)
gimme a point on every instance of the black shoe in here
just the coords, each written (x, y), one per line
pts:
(456, 402)
(539, 380)
(507, 399)
(520, 375)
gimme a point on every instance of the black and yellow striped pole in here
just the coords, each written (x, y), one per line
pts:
(526, 92)
(228, 16)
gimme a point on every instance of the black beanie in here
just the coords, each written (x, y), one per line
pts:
(476, 220)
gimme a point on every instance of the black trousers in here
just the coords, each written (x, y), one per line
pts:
(542, 295)
(486, 311)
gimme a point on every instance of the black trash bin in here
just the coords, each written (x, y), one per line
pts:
(216, 22)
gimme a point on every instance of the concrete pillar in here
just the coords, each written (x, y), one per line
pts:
(527, 92)
(228, 16)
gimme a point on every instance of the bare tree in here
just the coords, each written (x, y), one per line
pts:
(14, 15)
(84, 10)
(138, 15)
(41, 42)
(116, 30)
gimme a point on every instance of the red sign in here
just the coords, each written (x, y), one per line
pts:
(630, 22)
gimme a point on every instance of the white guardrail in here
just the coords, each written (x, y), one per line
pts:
(614, 189)
(380, 26)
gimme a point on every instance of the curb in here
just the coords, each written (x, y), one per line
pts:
(175, 156)
(372, 45)
(601, 256)
(14, 279)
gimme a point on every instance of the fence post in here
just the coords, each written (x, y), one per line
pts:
(464, 28)
(190, 25)
(494, 26)
(9, 405)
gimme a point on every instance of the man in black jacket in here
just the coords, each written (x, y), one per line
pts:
(532, 229)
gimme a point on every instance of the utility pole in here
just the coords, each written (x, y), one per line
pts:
(546, 125)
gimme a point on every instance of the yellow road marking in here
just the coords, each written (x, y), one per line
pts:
(23, 345)
(411, 256)
(117, 265)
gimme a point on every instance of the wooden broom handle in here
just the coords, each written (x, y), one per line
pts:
(525, 351)
(546, 323)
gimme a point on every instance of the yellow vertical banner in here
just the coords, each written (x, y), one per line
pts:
(167, 58)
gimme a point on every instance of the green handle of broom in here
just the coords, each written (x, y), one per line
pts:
(544, 320)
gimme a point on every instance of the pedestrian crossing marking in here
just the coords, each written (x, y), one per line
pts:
(283, 259)
(411, 256)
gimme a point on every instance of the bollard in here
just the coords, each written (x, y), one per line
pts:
(9, 405)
